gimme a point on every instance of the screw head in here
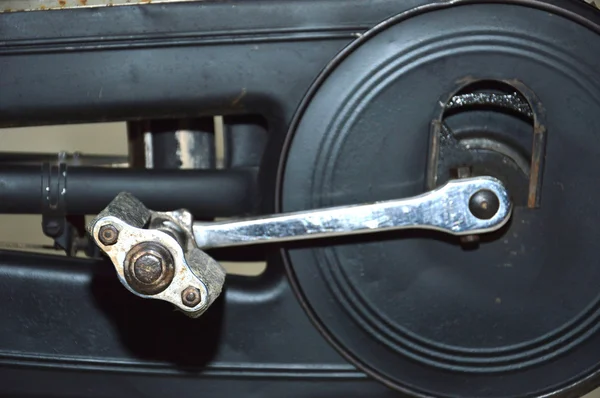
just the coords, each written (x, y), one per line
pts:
(108, 235)
(484, 204)
(190, 296)
(148, 268)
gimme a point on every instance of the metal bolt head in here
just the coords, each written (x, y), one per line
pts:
(190, 296)
(108, 235)
(484, 204)
(148, 268)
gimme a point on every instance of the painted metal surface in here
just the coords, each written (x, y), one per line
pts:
(37, 5)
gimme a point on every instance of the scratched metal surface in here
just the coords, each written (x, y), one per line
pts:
(37, 5)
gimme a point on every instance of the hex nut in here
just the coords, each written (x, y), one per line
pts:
(149, 268)
(108, 235)
(190, 296)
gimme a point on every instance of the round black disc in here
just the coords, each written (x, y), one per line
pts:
(518, 315)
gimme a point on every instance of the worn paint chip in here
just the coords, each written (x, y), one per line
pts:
(41, 5)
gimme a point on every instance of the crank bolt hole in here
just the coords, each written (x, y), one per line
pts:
(484, 204)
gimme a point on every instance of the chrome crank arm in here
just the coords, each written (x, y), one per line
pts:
(461, 207)
(159, 254)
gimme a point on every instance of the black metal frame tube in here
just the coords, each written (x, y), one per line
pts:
(206, 193)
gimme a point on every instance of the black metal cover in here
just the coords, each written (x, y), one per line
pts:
(517, 316)
(68, 328)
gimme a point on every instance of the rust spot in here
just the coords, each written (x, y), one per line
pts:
(537, 164)
(513, 82)
(532, 195)
(62, 3)
(538, 129)
(239, 97)
(42, 7)
(83, 2)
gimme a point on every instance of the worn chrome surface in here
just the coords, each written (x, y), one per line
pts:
(170, 230)
(39, 5)
(444, 209)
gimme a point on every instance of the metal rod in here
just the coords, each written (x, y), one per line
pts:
(87, 190)
(71, 159)
(172, 144)
(449, 209)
